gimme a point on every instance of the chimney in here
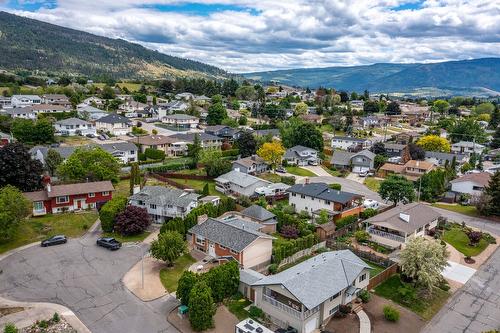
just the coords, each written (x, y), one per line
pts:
(202, 218)
(136, 189)
(46, 182)
(253, 157)
(307, 180)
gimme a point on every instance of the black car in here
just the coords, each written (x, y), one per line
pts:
(54, 240)
(109, 243)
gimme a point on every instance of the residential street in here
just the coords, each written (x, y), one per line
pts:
(480, 223)
(476, 306)
(87, 279)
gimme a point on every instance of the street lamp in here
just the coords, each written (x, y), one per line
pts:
(142, 262)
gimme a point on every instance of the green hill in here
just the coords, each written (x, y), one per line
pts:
(462, 77)
(27, 44)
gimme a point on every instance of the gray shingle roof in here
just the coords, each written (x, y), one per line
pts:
(341, 157)
(257, 212)
(315, 280)
(189, 137)
(72, 121)
(349, 138)
(240, 178)
(180, 116)
(227, 234)
(249, 276)
(113, 118)
(366, 153)
(162, 196)
(443, 156)
(323, 191)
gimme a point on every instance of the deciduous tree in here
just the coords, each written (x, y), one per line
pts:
(89, 164)
(14, 207)
(271, 152)
(109, 210)
(216, 113)
(132, 221)
(300, 108)
(168, 247)
(201, 307)
(307, 135)
(184, 286)
(246, 144)
(434, 143)
(17, 168)
(397, 189)
(53, 160)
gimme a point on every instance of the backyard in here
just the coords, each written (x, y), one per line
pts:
(457, 238)
(300, 171)
(466, 210)
(38, 228)
(412, 298)
(375, 268)
(170, 276)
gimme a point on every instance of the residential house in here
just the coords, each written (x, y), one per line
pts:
(272, 132)
(357, 104)
(300, 155)
(256, 214)
(233, 239)
(56, 99)
(5, 102)
(397, 226)
(74, 126)
(368, 122)
(133, 107)
(252, 165)
(406, 137)
(154, 141)
(181, 121)
(357, 162)
(350, 143)
(23, 113)
(315, 197)
(224, 132)
(184, 96)
(20, 101)
(307, 295)
(412, 170)
(467, 148)
(93, 100)
(311, 118)
(176, 107)
(472, 184)
(50, 108)
(114, 123)
(440, 159)
(182, 140)
(394, 149)
(90, 113)
(239, 184)
(164, 203)
(71, 197)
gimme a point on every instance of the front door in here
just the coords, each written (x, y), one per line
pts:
(79, 203)
(211, 250)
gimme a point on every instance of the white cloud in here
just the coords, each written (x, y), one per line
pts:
(275, 34)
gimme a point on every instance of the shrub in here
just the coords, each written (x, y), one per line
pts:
(346, 221)
(255, 312)
(345, 309)
(132, 221)
(369, 212)
(390, 313)
(474, 237)
(230, 152)
(362, 236)
(154, 154)
(289, 231)
(108, 212)
(56, 318)
(43, 324)
(335, 186)
(273, 268)
(444, 285)
(10, 328)
(289, 180)
(489, 238)
(365, 296)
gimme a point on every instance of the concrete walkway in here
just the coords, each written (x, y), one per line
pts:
(457, 272)
(153, 288)
(364, 322)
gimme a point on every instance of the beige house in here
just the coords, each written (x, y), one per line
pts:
(155, 141)
(395, 227)
(113, 124)
(307, 295)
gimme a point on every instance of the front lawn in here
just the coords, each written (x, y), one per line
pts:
(372, 183)
(127, 239)
(334, 173)
(466, 210)
(237, 304)
(271, 177)
(459, 240)
(300, 171)
(399, 291)
(198, 185)
(170, 276)
(38, 228)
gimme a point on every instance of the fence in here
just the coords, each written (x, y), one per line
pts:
(183, 176)
(370, 256)
(302, 253)
(382, 276)
(169, 181)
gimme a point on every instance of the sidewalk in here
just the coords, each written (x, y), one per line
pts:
(153, 288)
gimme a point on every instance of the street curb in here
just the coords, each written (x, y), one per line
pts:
(69, 315)
(17, 249)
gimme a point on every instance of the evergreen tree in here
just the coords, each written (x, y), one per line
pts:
(185, 285)
(495, 118)
(492, 191)
(201, 307)
(495, 142)
(52, 161)
(194, 150)
(17, 168)
(135, 177)
(206, 190)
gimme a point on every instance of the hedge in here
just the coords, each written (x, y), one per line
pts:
(290, 247)
(230, 152)
(154, 154)
(167, 167)
(346, 221)
(108, 212)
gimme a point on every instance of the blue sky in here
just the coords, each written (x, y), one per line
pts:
(249, 35)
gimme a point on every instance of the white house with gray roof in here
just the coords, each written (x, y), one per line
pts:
(74, 126)
(357, 162)
(89, 112)
(24, 113)
(350, 143)
(163, 203)
(239, 183)
(300, 155)
(19, 101)
(114, 123)
(307, 295)
(181, 121)
(233, 239)
(467, 148)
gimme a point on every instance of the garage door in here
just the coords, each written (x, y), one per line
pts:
(311, 325)
(359, 169)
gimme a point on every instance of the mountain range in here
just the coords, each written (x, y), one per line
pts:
(479, 77)
(27, 44)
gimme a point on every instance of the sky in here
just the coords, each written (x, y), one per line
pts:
(258, 35)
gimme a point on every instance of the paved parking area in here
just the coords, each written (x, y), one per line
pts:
(457, 272)
(86, 279)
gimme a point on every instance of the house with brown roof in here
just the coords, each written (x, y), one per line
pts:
(69, 197)
(154, 141)
(395, 227)
(472, 184)
(405, 138)
(412, 170)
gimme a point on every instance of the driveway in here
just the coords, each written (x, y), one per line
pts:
(474, 308)
(86, 279)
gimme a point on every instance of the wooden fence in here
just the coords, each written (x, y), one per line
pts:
(183, 176)
(382, 276)
(169, 181)
(302, 253)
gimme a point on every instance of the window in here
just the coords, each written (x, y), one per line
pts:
(362, 277)
(302, 196)
(63, 199)
(91, 195)
(105, 193)
(200, 240)
(152, 206)
(419, 229)
(222, 247)
(38, 205)
(335, 296)
(333, 310)
(234, 252)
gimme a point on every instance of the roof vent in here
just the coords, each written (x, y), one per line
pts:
(404, 217)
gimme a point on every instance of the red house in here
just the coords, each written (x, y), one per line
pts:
(69, 197)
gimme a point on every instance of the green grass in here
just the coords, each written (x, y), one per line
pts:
(122, 188)
(296, 262)
(170, 276)
(38, 228)
(126, 239)
(237, 305)
(196, 172)
(198, 185)
(300, 171)
(426, 307)
(335, 173)
(376, 268)
(466, 210)
(459, 240)
(272, 177)
(372, 183)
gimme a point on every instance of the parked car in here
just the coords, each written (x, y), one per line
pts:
(90, 135)
(131, 134)
(287, 330)
(280, 169)
(370, 203)
(54, 240)
(101, 137)
(109, 243)
(313, 163)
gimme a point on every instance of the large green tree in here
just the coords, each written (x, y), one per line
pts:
(33, 132)
(89, 164)
(53, 160)
(168, 247)
(300, 133)
(397, 189)
(109, 211)
(492, 195)
(216, 113)
(14, 207)
(246, 144)
(467, 130)
(201, 307)
(184, 286)
(17, 168)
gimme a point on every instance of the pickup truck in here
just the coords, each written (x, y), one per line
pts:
(109, 243)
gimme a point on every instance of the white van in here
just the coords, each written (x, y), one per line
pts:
(370, 203)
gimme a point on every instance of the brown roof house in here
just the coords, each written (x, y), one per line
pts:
(472, 184)
(154, 141)
(405, 138)
(395, 227)
(411, 170)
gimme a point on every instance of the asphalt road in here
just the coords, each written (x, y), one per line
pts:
(475, 308)
(477, 222)
(87, 279)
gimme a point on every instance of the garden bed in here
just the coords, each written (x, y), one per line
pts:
(457, 238)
